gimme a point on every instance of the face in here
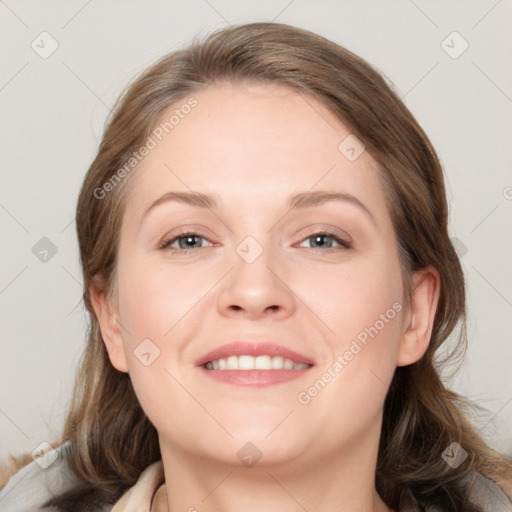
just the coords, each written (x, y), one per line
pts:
(286, 269)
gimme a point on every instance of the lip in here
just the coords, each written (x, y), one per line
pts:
(256, 378)
(253, 348)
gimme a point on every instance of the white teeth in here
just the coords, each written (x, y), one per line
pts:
(232, 363)
(277, 363)
(245, 362)
(263, 363)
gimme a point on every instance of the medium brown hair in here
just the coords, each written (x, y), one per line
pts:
(111, 439)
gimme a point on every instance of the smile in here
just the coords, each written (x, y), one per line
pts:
(257, 363)
(247, 362)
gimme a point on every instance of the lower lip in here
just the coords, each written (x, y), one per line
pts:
(254, 377)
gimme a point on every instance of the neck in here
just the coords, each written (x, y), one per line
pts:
(343, 481)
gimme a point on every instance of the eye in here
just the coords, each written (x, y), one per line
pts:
(189, 240)
(321, 242)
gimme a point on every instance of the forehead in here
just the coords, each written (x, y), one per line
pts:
(252, 142)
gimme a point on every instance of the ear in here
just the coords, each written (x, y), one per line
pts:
(420, 320)
(107, 316)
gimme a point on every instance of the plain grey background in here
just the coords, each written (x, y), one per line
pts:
(54, 107)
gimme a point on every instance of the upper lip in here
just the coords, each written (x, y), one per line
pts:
(253, 348)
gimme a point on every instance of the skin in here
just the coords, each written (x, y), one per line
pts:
(253, 145)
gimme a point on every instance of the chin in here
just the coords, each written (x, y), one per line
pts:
(250, 447)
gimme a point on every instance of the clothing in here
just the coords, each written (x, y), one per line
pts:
(37, 482)
(138, 498)
(33, 485)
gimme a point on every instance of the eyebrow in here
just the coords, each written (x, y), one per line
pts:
(307, 199)
(301, 200)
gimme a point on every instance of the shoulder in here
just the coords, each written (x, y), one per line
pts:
(34, 484)
(489, 495)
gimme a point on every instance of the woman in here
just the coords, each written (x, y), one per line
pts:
(269, 275)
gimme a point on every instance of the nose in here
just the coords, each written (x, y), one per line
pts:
(257, 289)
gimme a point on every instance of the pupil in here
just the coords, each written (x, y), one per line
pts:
(189, 241)
(319, 239)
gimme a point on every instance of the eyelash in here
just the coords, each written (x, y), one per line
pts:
(344, 244)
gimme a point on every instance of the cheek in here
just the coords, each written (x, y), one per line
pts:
(351, 299)
(153, 299)
(156, 306)
(363, 309)
(145, 308)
